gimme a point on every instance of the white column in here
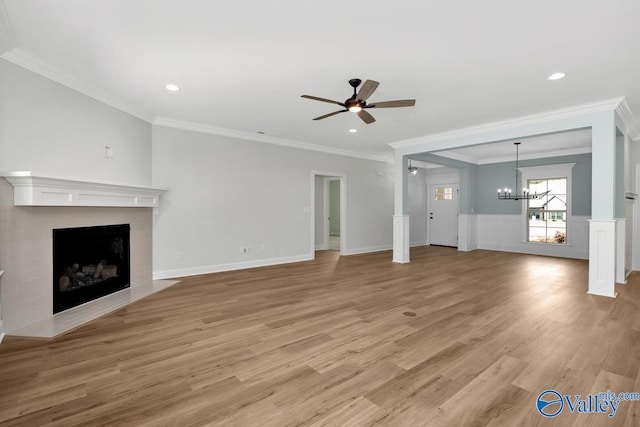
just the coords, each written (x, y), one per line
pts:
(467, 232)
(602, 258)
(602, 226)
(401, 238)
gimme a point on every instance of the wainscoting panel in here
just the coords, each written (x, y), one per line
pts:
(507, 233)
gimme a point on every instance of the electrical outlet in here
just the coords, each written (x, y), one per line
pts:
(108, 152)
(178, 254)
(244, 250)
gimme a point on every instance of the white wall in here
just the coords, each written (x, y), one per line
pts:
(50, 129)
(225, 193)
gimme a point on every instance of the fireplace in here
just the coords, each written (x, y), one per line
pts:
(89, 263)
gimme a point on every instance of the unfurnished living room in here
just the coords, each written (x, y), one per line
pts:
(319, 214)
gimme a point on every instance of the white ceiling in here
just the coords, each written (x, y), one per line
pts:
(242, 65)
(557, 144)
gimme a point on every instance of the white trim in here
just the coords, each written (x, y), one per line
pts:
(621, 224)
(544, 155)
(29, 61)
(327, 211)
(7, 36)
(401, 233)
(232, 133)
(343, 208)
(602, 260)
(467, 232)
(217, 268)
(36, 190)
(529, 120)
(631, 127)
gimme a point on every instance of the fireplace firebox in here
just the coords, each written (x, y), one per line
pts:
(89, 263)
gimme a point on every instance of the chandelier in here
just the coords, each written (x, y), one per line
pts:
(508, 194)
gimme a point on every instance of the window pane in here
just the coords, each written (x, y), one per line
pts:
(547, 215)
(444, 193)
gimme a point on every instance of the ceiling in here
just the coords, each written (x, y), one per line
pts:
(535, 147)
(242, 65)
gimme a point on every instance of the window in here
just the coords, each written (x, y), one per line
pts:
(444, 193)
(547, 216)
(547, 220)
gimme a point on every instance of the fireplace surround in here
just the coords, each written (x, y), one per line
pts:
(26, 231)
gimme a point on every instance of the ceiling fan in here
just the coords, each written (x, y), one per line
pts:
(358, 101)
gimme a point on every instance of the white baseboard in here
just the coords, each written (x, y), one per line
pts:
(322, 248)
(206, 269)
(367, 250)
(414, 244)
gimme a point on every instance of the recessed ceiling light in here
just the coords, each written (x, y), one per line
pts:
(353, 130)
(556, 76)
(171, 87)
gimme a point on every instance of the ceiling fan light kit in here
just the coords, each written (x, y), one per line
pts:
(357, 103)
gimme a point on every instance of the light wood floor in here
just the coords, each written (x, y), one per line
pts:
(329, 342)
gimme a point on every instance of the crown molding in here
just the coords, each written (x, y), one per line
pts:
(25, 59)
(546, 155)
(457, 156)
(626, 116)
(7, 36)
(232, 133)
(533, 119)
(511, 158)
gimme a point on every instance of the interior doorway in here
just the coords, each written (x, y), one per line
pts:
(332, 209)
(329, 211)
(442, 218)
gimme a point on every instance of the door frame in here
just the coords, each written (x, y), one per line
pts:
(327, 208)
(456, 188)
(326, 175)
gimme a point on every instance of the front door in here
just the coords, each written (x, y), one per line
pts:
(443, 214)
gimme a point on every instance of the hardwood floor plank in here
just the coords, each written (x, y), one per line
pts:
(452, 338)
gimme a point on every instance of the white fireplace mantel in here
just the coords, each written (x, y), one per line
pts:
(31, 189)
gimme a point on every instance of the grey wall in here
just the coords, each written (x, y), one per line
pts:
(214, 206)
(50, 129)
(490, 177)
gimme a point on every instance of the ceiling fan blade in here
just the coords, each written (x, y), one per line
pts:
(393, 104)
(366, 117)
(367, 89)
(330, 114)
(315, 98)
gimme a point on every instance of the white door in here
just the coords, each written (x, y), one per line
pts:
(443, 214)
